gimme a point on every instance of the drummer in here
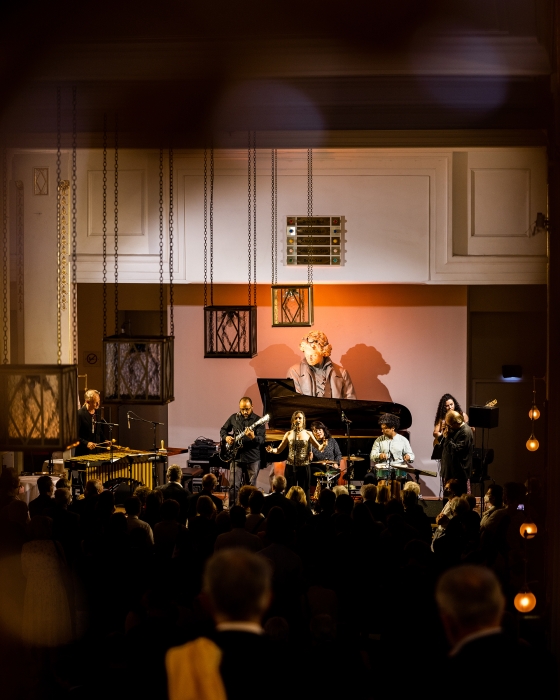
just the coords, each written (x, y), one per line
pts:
(331, 452)
(391, 448)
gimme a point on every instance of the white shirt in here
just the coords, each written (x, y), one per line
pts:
(396, 447)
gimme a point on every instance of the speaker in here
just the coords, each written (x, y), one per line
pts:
(484, 416)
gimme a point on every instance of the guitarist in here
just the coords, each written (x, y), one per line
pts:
(248, 456)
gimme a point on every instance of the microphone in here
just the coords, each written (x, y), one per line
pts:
(128, 419)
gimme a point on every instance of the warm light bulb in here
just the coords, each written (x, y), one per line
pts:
(534, 413)
(525, 601)
(532, 444)
(528, 530)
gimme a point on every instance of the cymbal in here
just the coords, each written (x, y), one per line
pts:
(324, 461)
(318, 473)
(353, 458)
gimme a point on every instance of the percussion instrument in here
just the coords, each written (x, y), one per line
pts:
(125, 463)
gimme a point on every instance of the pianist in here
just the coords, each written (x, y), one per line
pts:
(317, 374)
(90, 430)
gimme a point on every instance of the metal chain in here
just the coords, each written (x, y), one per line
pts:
(309, 214)
(273, 213)
(58, 232)
(212, 226)
(116, 226)
(255, 218)
(74, 229)
(5, 258)
(104, 225)
(161, 309)
(171, 315)
(249, 213)
(205, 228)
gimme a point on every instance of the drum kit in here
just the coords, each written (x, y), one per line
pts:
(331, 472)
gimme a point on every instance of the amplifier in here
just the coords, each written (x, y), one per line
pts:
(202, 451)
(203, 464)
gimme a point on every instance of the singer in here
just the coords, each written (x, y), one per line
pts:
(391, 447)
(90, 430)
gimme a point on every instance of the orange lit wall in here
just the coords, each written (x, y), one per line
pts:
(406, 343)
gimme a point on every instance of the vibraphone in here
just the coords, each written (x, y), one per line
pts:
(125, 464)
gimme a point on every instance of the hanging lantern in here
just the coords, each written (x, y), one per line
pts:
(38, 408)
(292, 305)
(528, 530)
(138, 369)
(230, 331)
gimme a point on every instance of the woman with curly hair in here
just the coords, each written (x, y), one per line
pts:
(446, 403)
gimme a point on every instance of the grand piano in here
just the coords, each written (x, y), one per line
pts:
(280, 400)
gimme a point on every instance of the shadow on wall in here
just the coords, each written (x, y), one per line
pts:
(272, 362)
(365, 364)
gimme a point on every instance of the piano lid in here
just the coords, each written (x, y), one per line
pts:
(280, 399)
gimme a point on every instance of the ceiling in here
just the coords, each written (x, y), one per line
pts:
(192, 74)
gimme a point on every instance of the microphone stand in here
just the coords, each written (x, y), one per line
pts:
(350, 465)
(154, 425)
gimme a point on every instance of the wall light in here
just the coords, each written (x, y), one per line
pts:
(512, 372)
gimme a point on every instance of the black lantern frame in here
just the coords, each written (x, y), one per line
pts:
(292, 305)
(230, 331)
(38, 411)
(138, 369)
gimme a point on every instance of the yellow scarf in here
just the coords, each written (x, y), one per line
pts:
(193, 671)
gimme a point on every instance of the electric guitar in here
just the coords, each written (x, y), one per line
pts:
(229, 452)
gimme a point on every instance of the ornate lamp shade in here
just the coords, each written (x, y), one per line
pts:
(230, 331)
(138, 369)
(38, 407)
(292, 305)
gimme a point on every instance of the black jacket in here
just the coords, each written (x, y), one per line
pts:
(250, 449)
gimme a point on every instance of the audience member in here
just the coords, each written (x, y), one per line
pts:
(151, 513)
(471, 605)
(9, 486)
(133, 507)
(415, 515)
(238, 537)
(174, 489)
(495, 511)
(44, 500)
(238, 586)
(255, 519)
(209, 484)
(244, 495)
(65, 523)
(302, 512)
(277, 498)
(46, 611)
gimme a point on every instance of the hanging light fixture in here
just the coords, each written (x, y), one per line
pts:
(534, 413)
(292, 304)
(39, 402)
(231, 331)
(532, 443)
(525, 601)
(528, 530)
(139, 369)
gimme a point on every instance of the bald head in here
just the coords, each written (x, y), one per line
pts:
(454, 420)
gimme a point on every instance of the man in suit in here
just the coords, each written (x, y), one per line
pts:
(277, 498)
(471, 605)
(174, 490)
(237, 584)
(456, 459)
(44, 500)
